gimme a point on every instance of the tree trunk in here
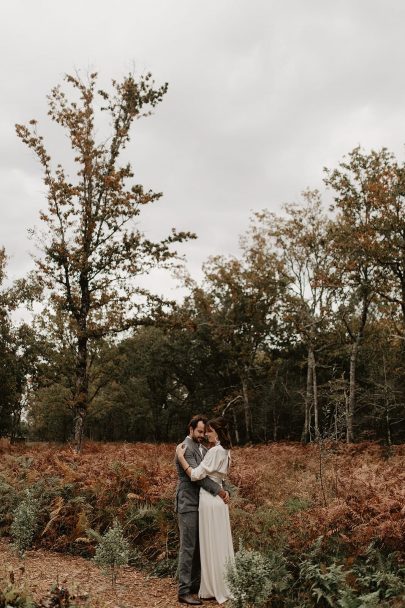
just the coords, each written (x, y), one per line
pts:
(336, 414)
(275, 424)
(247, 410)
(306, 436)
(79, 426)
(275, 414)
(15, 424)
(403, 298)
(311, 355)
(356, 340)
(402, 375)
(387, 405)
(388, 426)
(346, 396)
(82, 392)
(352, 391)
(235, 425)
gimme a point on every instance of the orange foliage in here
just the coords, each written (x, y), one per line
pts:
(363, 487)
(364, 490)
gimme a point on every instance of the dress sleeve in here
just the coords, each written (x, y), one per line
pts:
(211, 463)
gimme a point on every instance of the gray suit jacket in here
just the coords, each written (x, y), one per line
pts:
(188, 492)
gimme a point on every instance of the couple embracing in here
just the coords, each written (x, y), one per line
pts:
(203, 515)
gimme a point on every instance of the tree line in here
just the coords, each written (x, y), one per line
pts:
(301, 336)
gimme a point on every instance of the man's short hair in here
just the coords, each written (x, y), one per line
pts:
(195, 420)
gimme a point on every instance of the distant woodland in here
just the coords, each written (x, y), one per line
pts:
(300, 337)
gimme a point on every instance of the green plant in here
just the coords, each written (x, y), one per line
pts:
(25, 522)
(112, 551)
(279, 577)
(8, 500)
(373, 580)
(13, 595)
(379, 575)
(165, 567)
(146, 526)
(144, 518)
(294, 504)
(59, 597)
(137, 559)
(16, 598)
(261, 528)
(252, 577)
(327, 583)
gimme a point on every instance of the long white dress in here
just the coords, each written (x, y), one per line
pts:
(216, 546)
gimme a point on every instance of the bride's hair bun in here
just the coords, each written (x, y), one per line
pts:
(220, 426)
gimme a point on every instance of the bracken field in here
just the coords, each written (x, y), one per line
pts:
(330, 516)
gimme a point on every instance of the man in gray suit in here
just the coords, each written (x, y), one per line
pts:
(187, 499)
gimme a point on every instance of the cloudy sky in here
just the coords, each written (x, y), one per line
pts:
(262, 95)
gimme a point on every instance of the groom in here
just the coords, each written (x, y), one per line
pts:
(187, 498)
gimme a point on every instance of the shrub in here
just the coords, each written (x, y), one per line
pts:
(112, 551)
(252, 577)
(25, 522)
(8, 501)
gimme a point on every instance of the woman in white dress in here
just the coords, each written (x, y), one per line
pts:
(216, 546)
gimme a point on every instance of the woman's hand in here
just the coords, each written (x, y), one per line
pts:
(180, 450)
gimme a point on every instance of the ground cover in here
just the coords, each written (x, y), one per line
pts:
(287, 498)
(41, 569)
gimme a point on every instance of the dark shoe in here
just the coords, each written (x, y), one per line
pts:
(189, 599)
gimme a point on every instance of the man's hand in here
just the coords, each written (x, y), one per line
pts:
(224, 495)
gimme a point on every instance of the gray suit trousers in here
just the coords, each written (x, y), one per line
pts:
(189, 555)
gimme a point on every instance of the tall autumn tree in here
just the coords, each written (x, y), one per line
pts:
(93, 253)
(387, 248)
(360, 184)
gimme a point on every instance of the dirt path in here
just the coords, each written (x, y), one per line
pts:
(41, 569)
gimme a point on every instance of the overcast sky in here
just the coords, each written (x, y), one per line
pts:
(262, 95)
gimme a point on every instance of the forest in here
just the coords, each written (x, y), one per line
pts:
(300, 337)
(298, 341)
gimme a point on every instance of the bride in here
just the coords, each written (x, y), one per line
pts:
(216, 546)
